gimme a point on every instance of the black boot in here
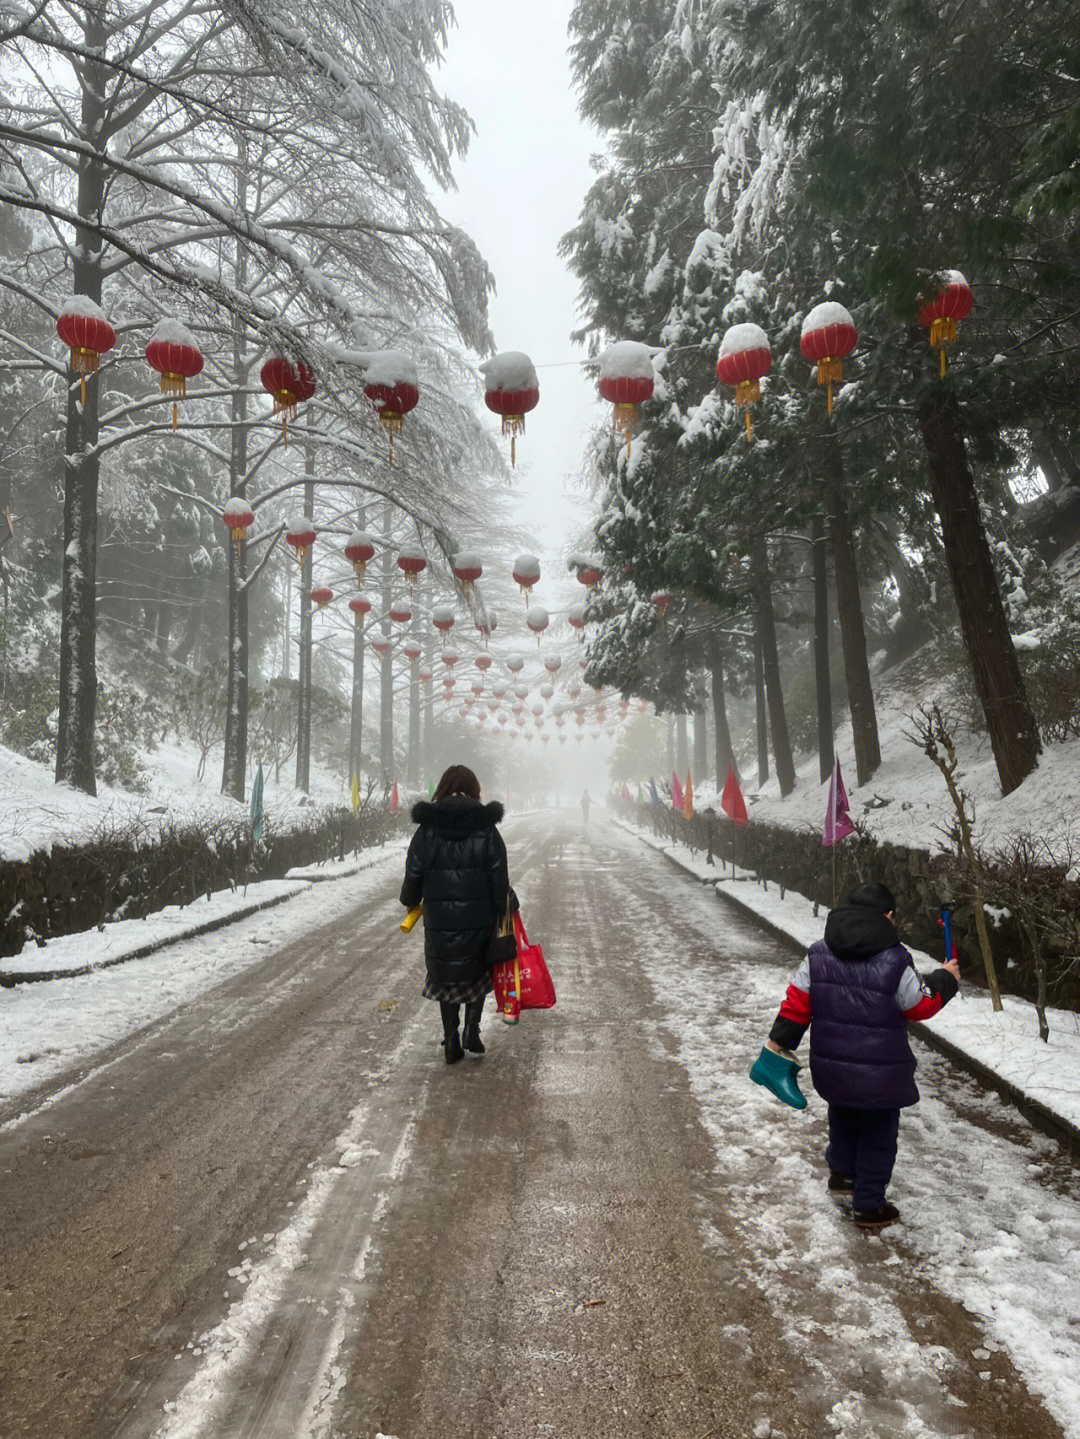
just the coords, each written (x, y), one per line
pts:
(451, 1039)
(471, 1035)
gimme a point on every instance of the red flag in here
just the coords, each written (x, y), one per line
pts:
(627, 796)
(731, 801)
(678, 799)
(395, 799)
(838, 823)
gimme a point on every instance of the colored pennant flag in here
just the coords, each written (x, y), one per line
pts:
(688, 798)
(677, 799)
(431, 789)
(731, 801)
(655, 796)
(257, 806)
(627, 796)
(838, 822)
(395, 799)
(354, 794)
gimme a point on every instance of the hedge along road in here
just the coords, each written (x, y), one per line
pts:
(280, 1214)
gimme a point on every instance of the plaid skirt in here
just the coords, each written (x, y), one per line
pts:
(459, 993)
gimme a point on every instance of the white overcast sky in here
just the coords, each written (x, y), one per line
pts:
(519, 191)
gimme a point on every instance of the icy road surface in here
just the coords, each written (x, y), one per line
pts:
(274, 1213)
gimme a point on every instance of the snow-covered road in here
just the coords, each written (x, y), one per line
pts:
(273, 1211)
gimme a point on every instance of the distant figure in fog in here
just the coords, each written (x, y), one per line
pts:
(585, 802)
(457, 868)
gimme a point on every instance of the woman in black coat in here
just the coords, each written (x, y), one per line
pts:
(457, 867)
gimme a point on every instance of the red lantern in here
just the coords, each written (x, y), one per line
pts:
(745, 360)
(442, 617)
(412, 562)
(393, 387)
(478, 688)
(381, 647)
(515, 663)
(626, 380)
(487, 624)
(513, 390)
(411, 650)
(449, 682)
(951, 304)
(359, 551)
(575, 618)
(321, 597)
(553, 664)
(87, 333)
(538, 622)
(467, 570)
(590, 576)
(482, 662)
(400, 613)
(661, 599)
(289, 387)
(526, 574)
(300, 536)
(238, 517)
(828, 336)
(425, 676)
(172, 351)
(449, 659)
(360, 605)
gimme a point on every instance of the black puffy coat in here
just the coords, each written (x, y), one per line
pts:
(457, 867)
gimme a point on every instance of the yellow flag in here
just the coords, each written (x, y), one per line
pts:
(355, 794)
(688, 799)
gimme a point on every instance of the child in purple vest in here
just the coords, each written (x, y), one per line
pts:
(856, 990)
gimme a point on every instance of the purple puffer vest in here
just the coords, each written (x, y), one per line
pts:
(859, 1051)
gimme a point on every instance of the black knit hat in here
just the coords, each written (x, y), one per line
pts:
(872, 895)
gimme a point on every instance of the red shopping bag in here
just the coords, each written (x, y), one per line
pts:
(524, 982)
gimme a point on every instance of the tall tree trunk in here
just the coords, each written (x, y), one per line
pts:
(386, 677)
(75, 758)
(822, 676)
(234, 764)
(412, 766)
(671, 744)
(427, 760)
(850, 613)
(761, 719)
(356, 704)
(1053, 454)
(303, 696)
(765, 624)
(682, 760)
(725, 755)
(1014, 737)
(701, 745)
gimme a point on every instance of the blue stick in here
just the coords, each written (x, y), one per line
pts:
(946, 919)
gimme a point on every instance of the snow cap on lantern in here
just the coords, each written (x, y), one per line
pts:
(521, 692)
(487, 622)
(300, 536)
(526, 573)
(538, 621)
(442, 617)
(425, 676)
(575, 618)
(467, 568)
(553, 664)
(449, 658)
(400, 612)
(498, 689)
(627, 379)
(381, 647)
(321, 596)
(511, 390)
(360, 605)
(951, 304)
(238, 518)
(745, 359)
(171, 351)
(547, 689)
(359, 551)
(412, 562)
(392, 385)
(515, 663)
(828, 337)
(412, 650)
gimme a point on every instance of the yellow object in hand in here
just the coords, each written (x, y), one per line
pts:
(410, 919)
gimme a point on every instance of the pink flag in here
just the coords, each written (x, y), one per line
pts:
(395, 801)
(627, 796)
(838, 823)
(731, 801)
(678, 799)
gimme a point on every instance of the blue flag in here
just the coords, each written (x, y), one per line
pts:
(257, 806)
(655, 796)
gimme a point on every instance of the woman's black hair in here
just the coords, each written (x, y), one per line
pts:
(458, 780)
(872, 894)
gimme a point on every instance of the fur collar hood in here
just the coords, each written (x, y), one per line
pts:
(457, 816)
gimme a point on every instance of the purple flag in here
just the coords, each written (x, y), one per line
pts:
(838, 823)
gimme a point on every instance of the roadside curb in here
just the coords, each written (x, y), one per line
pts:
(1054, 1126)
(300, 880)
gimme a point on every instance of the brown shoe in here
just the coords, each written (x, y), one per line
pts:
(876, 1218)
(841, 1184)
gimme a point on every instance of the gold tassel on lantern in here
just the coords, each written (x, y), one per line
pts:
(513, 425)
(393, 423)
(748, 393)
(625, 419)
(174, 385)
(830, 372)
(942, 333)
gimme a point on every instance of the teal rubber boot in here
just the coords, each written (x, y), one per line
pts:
(779, 1074)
